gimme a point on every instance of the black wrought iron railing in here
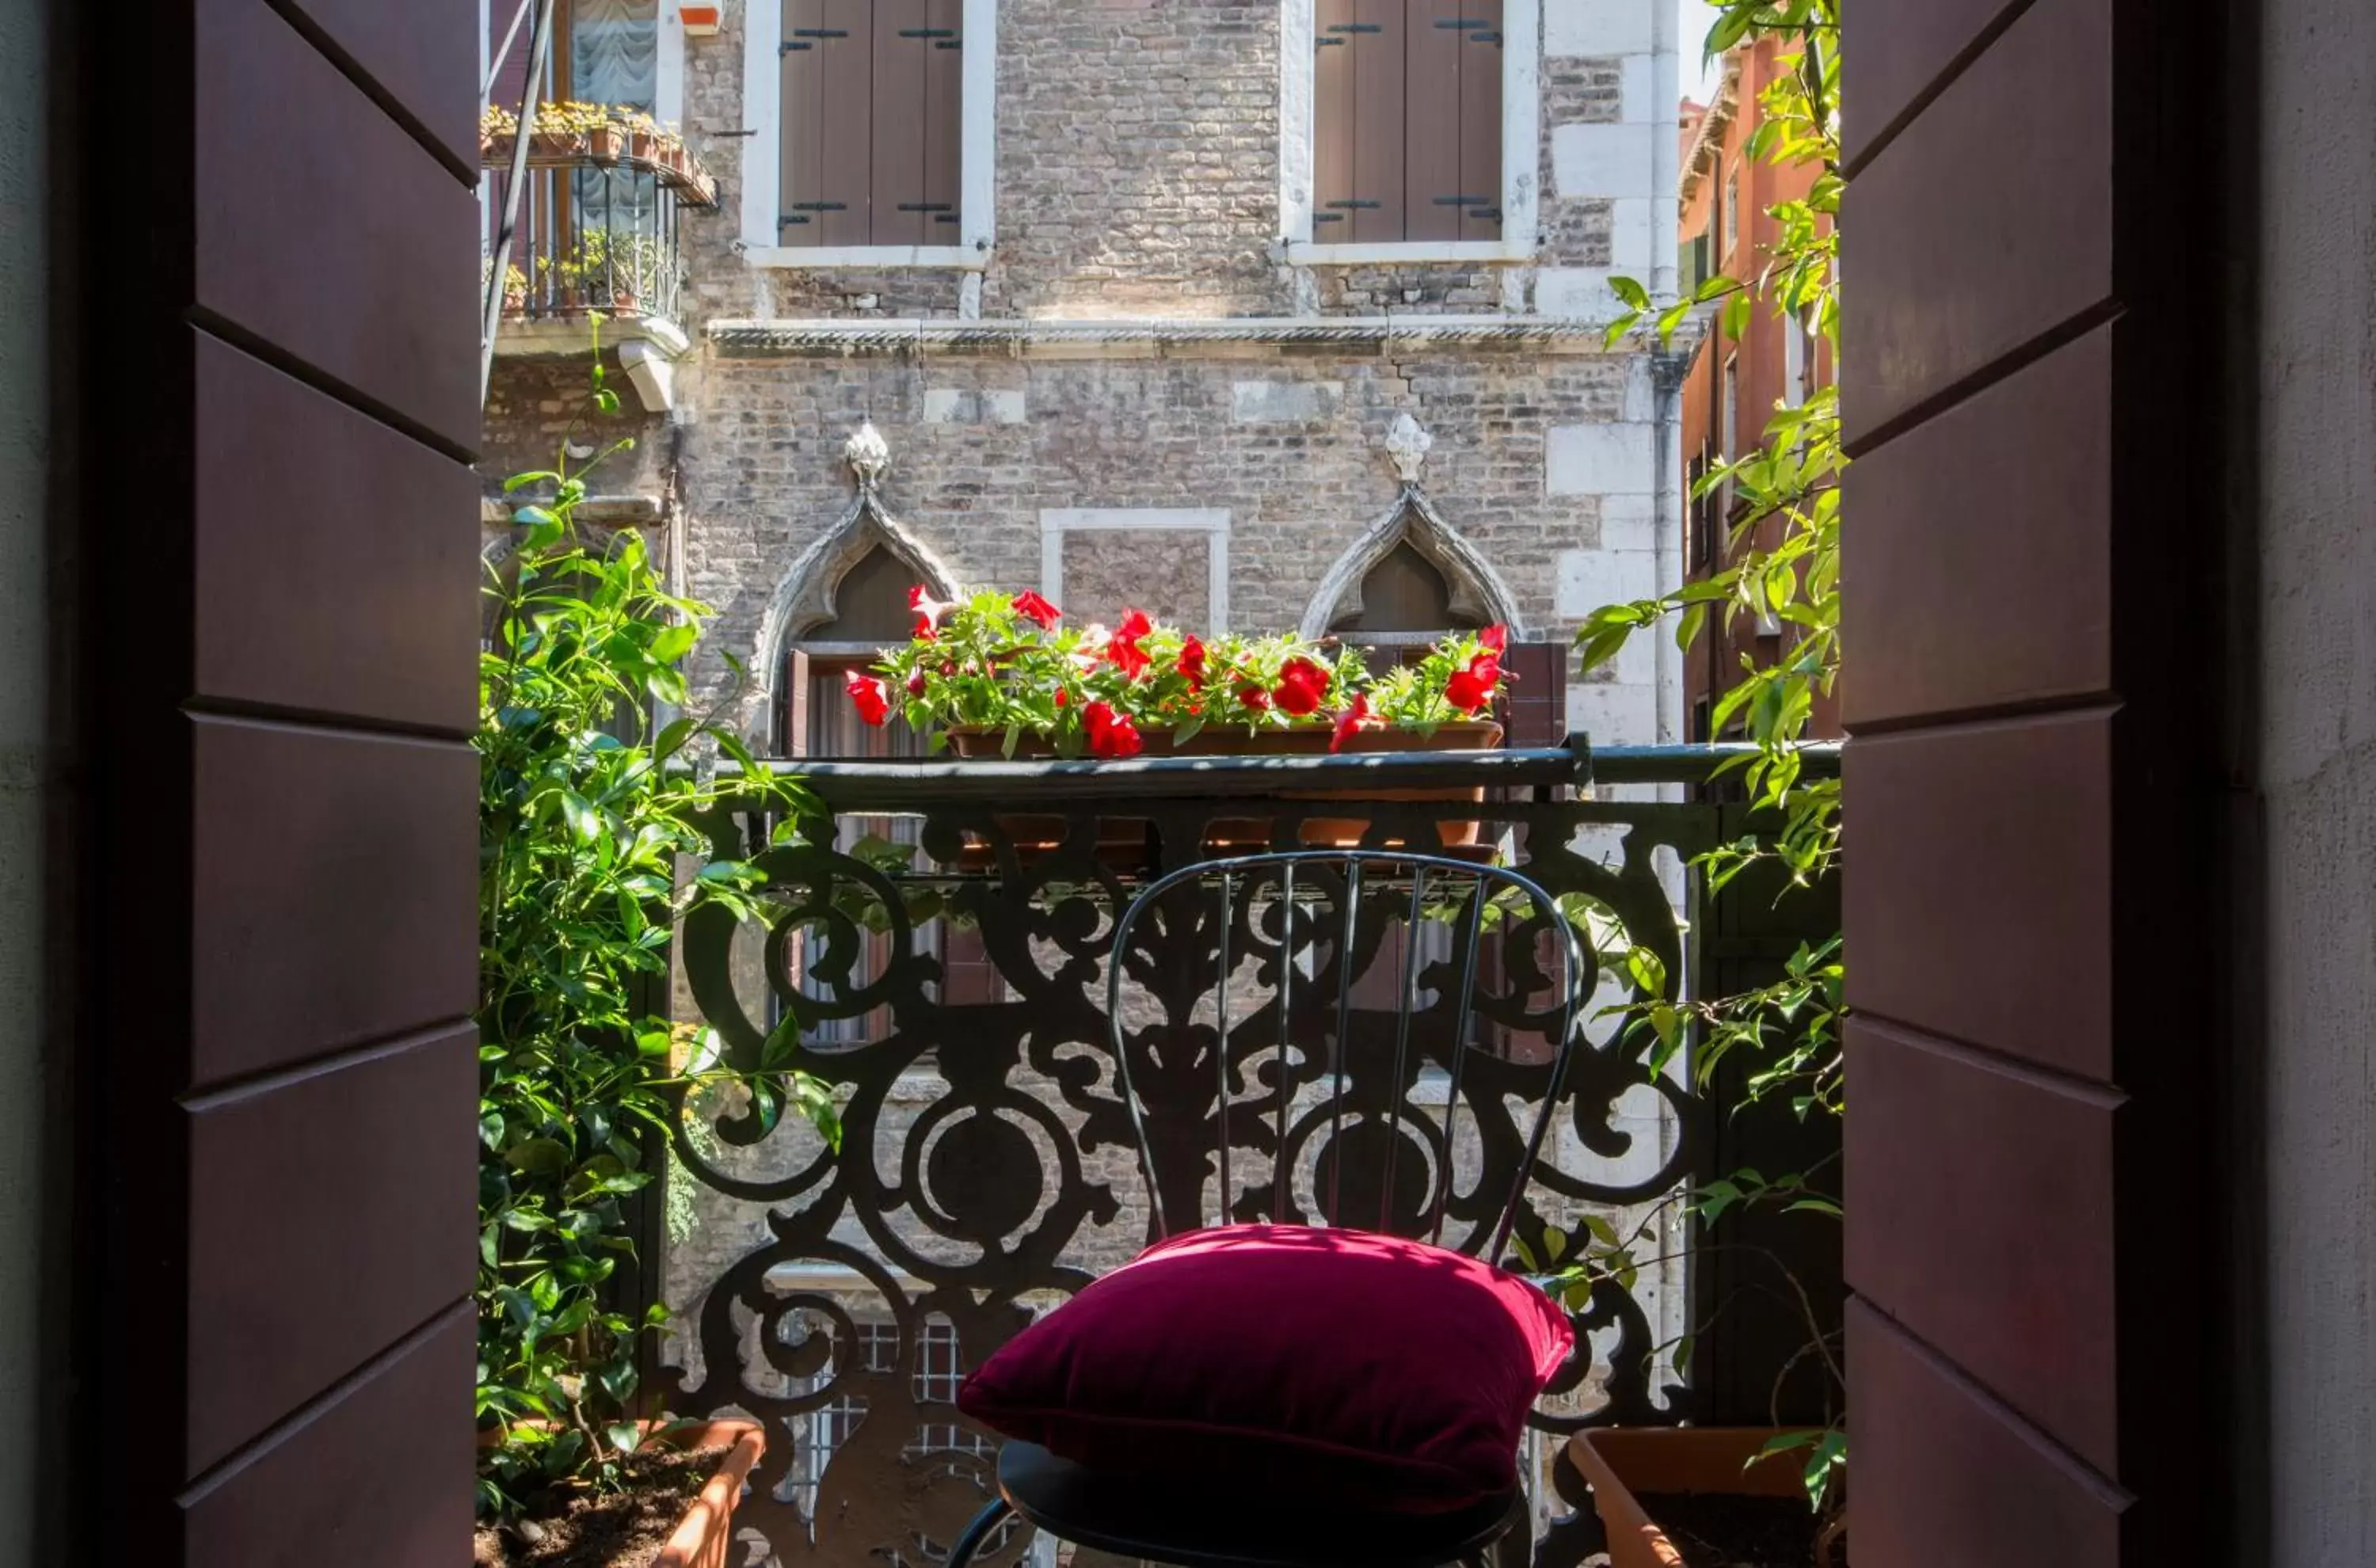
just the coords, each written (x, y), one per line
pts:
(601, 223)
(942, 962)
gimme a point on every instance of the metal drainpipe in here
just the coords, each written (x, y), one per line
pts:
(491, 315)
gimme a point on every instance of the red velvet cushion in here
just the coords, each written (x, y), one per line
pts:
(1361, 1370)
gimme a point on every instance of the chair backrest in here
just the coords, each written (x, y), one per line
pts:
(1282, 911)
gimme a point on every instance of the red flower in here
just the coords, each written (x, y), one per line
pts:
(1471, 687)
(1494, 640)
(873, 702)
(928, 613)
(916, 684)
(1122, 650)
(1064, 698)
(1352, 719)
(1191, 662)
(1111, 734)
(1032, 606)
(1303, 685)
(1254, 697)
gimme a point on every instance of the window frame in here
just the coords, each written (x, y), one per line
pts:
(763, 23)
(1521, 150)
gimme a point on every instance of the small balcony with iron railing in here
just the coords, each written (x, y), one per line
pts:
(944, 957)
(599, 229)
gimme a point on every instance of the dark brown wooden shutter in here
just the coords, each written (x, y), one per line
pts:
(826, 109)
(793, 705)
(1332, 121)
(800, 129)
(1536, 706)
(1481, 119)
(1375, 209)
(1431, 72)
(967, 977)
(944, 117)
(897, 191)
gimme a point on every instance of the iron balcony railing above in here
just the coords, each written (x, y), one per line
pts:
(940, 959)
(601, 221)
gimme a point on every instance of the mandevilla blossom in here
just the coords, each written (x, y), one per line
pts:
(1030, 606)
(873, 702)
(929, 611)
(1122, 650)
(1352, 719)
(1111, 734)
(1191, 662)
(1302, 686)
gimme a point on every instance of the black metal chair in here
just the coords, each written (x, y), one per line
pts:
(1191, 1524)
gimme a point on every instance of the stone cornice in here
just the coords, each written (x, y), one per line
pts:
(1151, 338)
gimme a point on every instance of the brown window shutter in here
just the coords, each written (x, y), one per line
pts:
(1538, 701)
(897, 189)
(944, 117)
(967, 977)
(793, 705)
(1480, 119)
(800, 110)
(1432, 188)
(1332, 121)
(830, 190)
(1380, 40)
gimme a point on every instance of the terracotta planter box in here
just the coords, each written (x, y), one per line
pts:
(1623, 1463)
(704, 1538)
(1254, 833)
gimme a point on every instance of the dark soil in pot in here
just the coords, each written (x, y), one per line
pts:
(1724, 1530)
(625, 1529)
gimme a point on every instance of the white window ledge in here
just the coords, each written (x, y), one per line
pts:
(958, 258)
(1490, 253)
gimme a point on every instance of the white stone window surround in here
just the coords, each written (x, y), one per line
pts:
(763, 24)
(1521, 155)
(1056, 522)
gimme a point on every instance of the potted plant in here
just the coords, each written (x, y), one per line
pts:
(1000, 674)
(1731, 1494)
(589, 816)
(686, 1479)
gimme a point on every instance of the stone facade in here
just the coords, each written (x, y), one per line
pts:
(1137, 156)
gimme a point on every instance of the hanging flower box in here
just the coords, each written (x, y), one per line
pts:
(1001, 675)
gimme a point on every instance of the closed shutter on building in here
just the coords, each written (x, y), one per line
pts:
(870, 106)
(1406, 121)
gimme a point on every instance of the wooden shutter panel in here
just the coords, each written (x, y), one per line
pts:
(1379, 43)
(793, 705)
(826, 105)
(1332, 121)
(1538, 700)
(1432, 185)
(1480, 119)
(896, 190)
(944, 117)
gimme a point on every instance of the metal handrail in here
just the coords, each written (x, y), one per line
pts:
(890, 785)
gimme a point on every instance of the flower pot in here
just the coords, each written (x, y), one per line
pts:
(704, 1536)
(1345, 832)
(1252, 832)
(1625, 1464)
(605, 143)
(558, 147)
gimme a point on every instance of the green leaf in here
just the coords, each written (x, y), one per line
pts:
(1647, 970)
(625, 1436)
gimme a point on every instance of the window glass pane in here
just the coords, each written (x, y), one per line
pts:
(614, 51)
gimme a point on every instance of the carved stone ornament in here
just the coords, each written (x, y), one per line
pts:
(868, 455)
(1407, 446)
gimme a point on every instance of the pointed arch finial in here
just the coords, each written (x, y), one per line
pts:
(868, 455)
(1407, 446)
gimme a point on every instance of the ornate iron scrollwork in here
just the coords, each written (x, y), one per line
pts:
(987, 1168)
